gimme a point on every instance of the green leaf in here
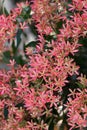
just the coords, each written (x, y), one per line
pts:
(18, 37)
(31, 44)
(80, 85)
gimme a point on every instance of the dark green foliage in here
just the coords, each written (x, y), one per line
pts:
(5, 112)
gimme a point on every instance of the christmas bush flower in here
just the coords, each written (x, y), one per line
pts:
(30, 95)
(77, 109)
(9, 24)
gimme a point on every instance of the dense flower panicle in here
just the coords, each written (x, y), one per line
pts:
(79, 24)
(77, 109)
(78, 5)
(51, 65)
(78, 20)
(7, 29)
(9, 25)
(29, 93)
(36, 102)
(39, 65)
(46, 14)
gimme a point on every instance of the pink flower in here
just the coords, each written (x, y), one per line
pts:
(77, 109)
(23, 25)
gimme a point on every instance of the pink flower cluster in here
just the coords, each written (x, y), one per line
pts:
(46, 15)
(9, 25)
(29, 93)
(77, 109)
